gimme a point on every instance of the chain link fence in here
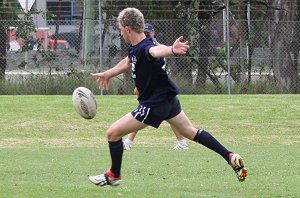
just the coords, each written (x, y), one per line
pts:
(263, 56)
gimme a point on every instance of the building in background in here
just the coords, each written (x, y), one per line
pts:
(70, 11)
(66, 13)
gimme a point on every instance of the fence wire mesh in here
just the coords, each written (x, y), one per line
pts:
(263, 56)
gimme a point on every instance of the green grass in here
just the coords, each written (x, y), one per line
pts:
(47, 150)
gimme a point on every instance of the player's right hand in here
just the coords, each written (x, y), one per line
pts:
(102, 80)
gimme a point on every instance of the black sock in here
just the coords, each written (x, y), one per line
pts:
(116, 153)
(206, 139)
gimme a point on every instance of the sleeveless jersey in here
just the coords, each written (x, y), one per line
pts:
(150, 75)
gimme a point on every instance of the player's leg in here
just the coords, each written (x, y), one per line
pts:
(125, 125)
(130, 137)
(184, 126)
(129, 140)
(181, 143)
(116, 131)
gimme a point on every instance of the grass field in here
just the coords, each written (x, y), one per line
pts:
(47, 150)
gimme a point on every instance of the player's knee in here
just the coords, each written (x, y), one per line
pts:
(112, 134)
(190, 133)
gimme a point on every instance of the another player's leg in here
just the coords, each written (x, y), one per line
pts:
(117, 130)
(181, 143)
(183, 125)
(129, 140)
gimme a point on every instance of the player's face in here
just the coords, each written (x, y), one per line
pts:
(124, 32)
(151, 34)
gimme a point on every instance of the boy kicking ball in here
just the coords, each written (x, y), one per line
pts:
(158, 100)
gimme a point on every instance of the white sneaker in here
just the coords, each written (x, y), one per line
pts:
(180, 147)
(105, 179)
(126, 146)
(237, 164)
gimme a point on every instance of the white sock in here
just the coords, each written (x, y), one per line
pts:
(182, 142)
(128, 141)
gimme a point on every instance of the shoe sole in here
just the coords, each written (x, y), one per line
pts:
(115, 183)
(103, 183)
(243, 172)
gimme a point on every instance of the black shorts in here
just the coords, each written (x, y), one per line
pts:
(154, 116)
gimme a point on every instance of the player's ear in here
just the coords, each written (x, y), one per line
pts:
(127, 28)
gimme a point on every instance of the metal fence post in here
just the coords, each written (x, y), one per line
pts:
(100, 42)
(228, 48)
(26, 51)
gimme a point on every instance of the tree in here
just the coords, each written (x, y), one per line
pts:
(205, 16)
(3, 38)
(269, 28)
(282, 43)
(8, 12)
(277, 20)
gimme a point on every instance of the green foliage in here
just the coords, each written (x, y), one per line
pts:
(48, 16)
(25, 29)
(64, 82)
(47, 84)
(7, 11)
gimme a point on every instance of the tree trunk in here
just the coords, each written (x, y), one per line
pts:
(3, 40)
(284, 70)
(180, 71)
(205, 48)
(296, 49)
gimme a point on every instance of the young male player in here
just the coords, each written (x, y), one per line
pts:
(157, 97)
(128, 142)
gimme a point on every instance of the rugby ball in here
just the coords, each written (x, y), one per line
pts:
(84, 102)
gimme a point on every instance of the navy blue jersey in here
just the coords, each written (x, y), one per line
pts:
(149, 75)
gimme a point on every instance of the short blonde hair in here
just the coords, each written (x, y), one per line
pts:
(132, 17)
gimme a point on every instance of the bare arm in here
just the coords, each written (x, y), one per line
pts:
(120, 68)
(179, 47)
(103, 77)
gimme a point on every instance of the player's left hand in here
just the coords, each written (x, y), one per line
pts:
(180, 47)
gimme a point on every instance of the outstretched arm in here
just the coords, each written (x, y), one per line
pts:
(103, 77)
(179, 47)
